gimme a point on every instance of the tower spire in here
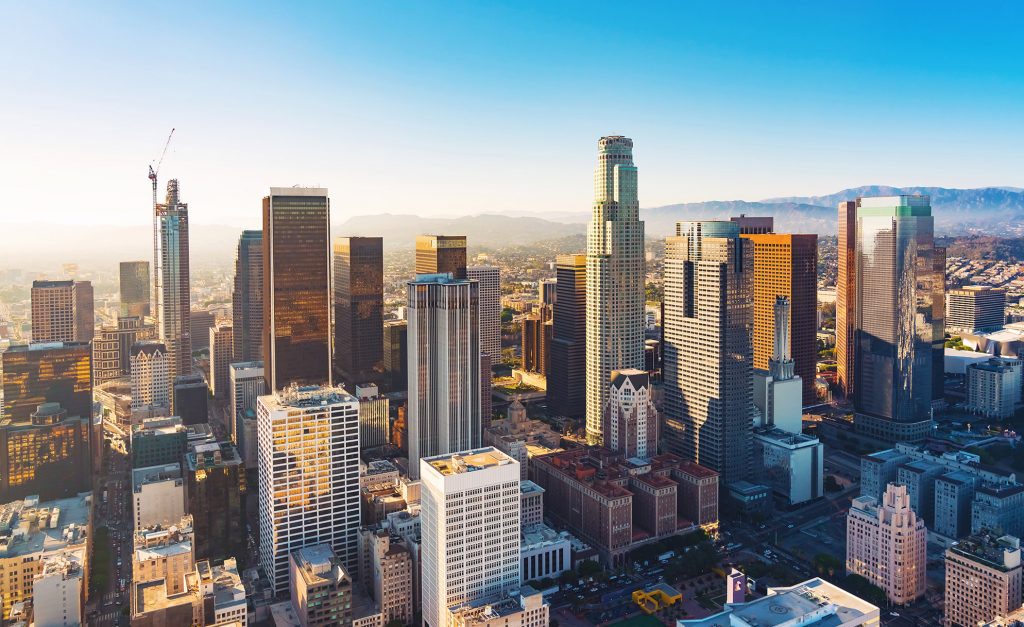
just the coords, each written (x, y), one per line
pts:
(781, 364)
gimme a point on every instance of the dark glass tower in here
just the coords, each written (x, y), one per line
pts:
(296, 287)
(215, 484)
(396, 351)
(247, 298)
(358, 310)
(47, 455)
(59, 372)
(567, 373)
(135, 288)
(440, 254)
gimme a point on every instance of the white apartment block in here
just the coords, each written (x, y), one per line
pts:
(150, 375)
(308, 459)
(158, 495)
(247, 384)
(489, 278)
(58, 590)
(994, 387)
(470, 530)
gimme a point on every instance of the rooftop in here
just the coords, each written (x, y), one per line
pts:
(306, 396)
(28, 526)
(151, 596)
(153, 474)
(528, 487)
(888, 454)
(1002, 553)
(318, 565)
(469, 461)
(785, 438)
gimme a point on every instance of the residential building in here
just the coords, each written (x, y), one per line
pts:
(247, 299)
(524, 607)
(190, 399)
(171, 287)
(307, 436)
(296, 287)
(566, 384)
(221, 356)
(983, 579)
(470, 529)
(708, 407)
(975, 309)
(396, 354)
(151, 375)
(62, 311)
(630, 418)
(994, 387)
(615, 276)
(444, 351)
(489, 279)
(215, 488)
(374, 416)
(135, 289)
(321, 587)
(441, 254)
(358, 309)
(158, 495)
(58, 590)
(54, 372)
(886, 543)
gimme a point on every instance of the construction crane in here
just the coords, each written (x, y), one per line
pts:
(153, 172)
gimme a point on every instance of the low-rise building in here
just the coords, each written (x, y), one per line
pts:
(524, 608)
(545, 553)
(321, 589)
(983, 579)
(791, 463)
(223, 592)
(531, 501)
(521, 438)
(59, 590)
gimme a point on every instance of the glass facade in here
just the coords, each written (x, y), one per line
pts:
(171, 281)
(441, 254)
(135, 288)
(567, 374)
(358, 309)
(247, 298)
(60, 372)
(214, 492)
(48, 455)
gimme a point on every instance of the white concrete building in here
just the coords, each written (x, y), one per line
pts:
(615, 276)
(778, 392)
(489, 278)
(791, 463)
(524, 607)
(150, 375)
(544, 552)
(308, 453)
(470, 530)
(444, 367)
(247, 384)
(630, 418)
(158, 495)
(994, 387)
(58, 590)
(374, 416)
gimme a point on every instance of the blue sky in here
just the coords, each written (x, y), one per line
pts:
(467, 107)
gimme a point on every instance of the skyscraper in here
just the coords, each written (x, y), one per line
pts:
(55, 372)
(221, 344)
(489, 278)
(708, 359)
(787, 265)
(358, 309)
(477, 557)
(441, 254)
(975, 309)
(190, 399)
(247, 384)
(630, 418)
(444, 354)
(567, 373)
(47, 455)
(615, 276)
(846, 297)
(396, 354)
(900, 308)
(296, 287)
(171, 281)
(537, 330)
(214, 492)
(308, 475)
(151, 376)
(135, 288)
(247, 298)
(62, 311)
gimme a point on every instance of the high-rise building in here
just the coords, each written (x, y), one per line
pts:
(374, 416)
(886, 543)
(132, 329)
(171, 296)
(489, 278)
(754, 225)
(214, 492)
(135, 289)
(707, 353)
(983, 579)
(787, 265)
(900, 307)
(58, 590)
(158, 495)
(994, 387)
(158, 442)
(975, 309)
(200, 322)
(308, 450)
(151, 375)
(247, 298)
(389, 573)
(537, 332)
(111, 348)
(396, 354)
(221, 356)
(247, 384)
(190, 399)
(62, 311)
(296, 288)
(615, 276)
(358, 309)
(547, 289)
(566, 392)
(444, 354)
(630, 418)
(47, 455)
(846, 297)
(478, 556)
(441, 254)
(320, 585)
(55, 372)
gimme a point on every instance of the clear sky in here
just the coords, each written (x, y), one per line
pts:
(467, 107)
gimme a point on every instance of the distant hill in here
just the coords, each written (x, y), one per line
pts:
(790, 217)
(487, 230)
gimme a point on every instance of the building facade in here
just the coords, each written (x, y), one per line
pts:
(374, 417)
(321, 587)
(215, 490)
(975, 309)
(247, 298)
(247, 384)
(441, 254)
(221, 356)
(983, 579)
(62, 311)
(566, 392)
(537, 331)
(191, 399)
(489, 278)
(171, 288)
(358, 309)
(151, 375)
(54, 372)
(135, 289)
(47, 455)
(994, 387)
(630, 418)
(846, 297)
(158, 495)
(396, 354)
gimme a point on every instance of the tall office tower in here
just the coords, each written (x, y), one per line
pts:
(171, 297)
(214, 492)
(778, 390)
(308, 451)
(201, 322)
(983, 579)
(444, 354)
(151, 375)
(486, 391)
(374, 416)
(62, 311)
(190, 399)
(470, 529)
(567, 374)
(899, 318)
(221, 356)
(296, 287)
(247, 298)
(135, 289)
(615, 276)
(754, 225)
(537, 333)
(247, 384)
(396, 354)
(846, 297)
(57, 372)
(441, 254)
(489, 278)
(547, 289)
(358, 309)
(787, 265)
(975, 309)
(707, 353)
(630, 418)
(886, 543)
(132, 329)
(47, 455)
(106, 355)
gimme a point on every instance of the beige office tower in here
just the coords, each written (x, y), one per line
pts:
(887, 544)
(708, 371)
(615, 276)
(983, 579)
(221, 356)
(62, 311)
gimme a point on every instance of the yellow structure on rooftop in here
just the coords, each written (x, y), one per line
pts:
(658, 597)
